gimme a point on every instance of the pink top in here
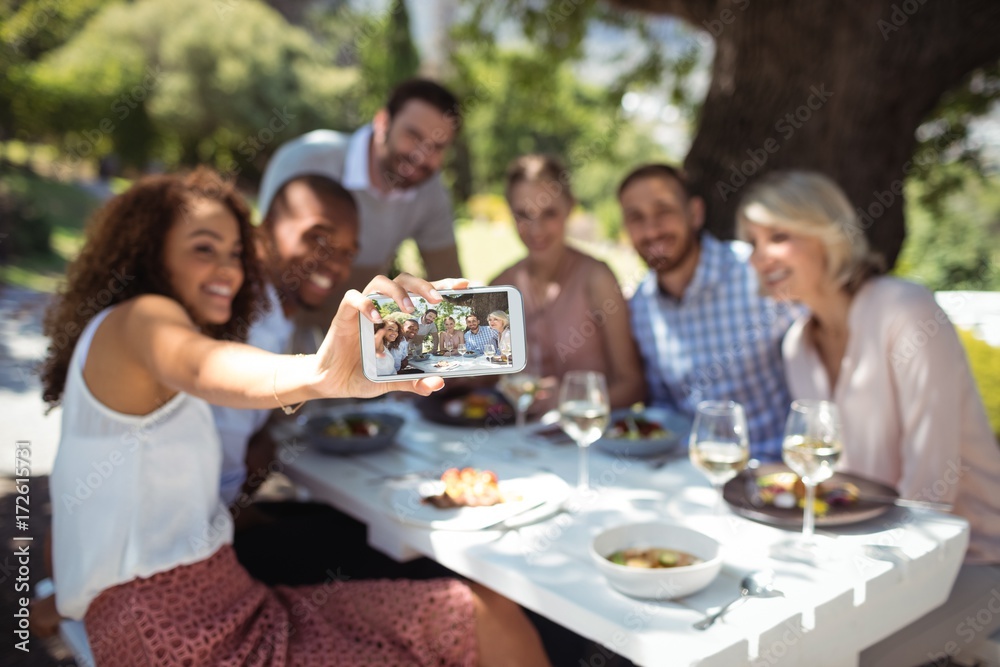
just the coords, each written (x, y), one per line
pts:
(912, 415)
(563, 327)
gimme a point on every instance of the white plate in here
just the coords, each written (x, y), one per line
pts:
(407, 506)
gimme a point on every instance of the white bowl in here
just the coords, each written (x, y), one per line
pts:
(657, 583)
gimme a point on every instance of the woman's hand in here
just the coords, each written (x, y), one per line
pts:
(339, 367)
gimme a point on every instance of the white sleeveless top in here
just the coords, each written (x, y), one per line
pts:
(131, 495)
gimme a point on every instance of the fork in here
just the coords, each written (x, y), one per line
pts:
(398, 477)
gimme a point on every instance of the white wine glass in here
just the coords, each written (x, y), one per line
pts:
(449, 345)
(584, 413)
(489, 351)
(519, 389)
(505, 351)
(811, 448)
(462, 348)
(719, 445)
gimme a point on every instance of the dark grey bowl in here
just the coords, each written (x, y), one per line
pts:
(389, 425)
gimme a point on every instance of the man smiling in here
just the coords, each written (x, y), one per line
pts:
(308, 240)
(476, 337)
(392, 167)
(704, 330)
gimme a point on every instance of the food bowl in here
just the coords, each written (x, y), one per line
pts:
(662, 583)
(352, 432)
(637, 440)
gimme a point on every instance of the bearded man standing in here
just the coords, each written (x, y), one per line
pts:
(392, 167)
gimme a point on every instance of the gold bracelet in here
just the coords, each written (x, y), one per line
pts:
(288, 410)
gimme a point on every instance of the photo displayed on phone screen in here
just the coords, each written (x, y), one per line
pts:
(464, 332)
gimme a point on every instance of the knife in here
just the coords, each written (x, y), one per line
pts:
(503, 523)
(905, 502)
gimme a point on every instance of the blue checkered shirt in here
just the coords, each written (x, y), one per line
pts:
(720, 341)
(477, 342)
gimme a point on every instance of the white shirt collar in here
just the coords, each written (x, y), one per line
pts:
(356, 169)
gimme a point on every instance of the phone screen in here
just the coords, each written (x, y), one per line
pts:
(479, 331)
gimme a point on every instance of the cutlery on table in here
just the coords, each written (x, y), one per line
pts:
(904, 502)
(758, 584)
(403, 476)
(508, 522)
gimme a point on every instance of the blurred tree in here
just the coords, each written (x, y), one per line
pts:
(378, 43)
(29, 29)
(516, 101)
(954, 238)
(225, 85)
(837, 86)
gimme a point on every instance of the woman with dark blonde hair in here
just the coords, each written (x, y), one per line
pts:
(145, 555)
(887, 355)
(575, 314)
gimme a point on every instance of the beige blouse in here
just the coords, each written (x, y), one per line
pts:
(912, 416)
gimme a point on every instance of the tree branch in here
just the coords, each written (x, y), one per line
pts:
(692, 11)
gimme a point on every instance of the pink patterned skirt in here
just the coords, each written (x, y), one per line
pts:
(213, 613)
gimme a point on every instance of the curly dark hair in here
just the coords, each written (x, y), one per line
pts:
(123, 258)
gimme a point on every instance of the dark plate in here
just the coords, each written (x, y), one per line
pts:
(736, 495)
(389, 426)
(446, 407)
(678, 428)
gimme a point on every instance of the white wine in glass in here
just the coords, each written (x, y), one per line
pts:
(719, 445)
(519, 389)
(584, 413)
(811, 448)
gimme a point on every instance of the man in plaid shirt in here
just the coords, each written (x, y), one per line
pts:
(477, 338)
(704, 330)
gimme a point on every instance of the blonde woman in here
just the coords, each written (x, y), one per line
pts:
(499, 321)
(575, 315)
(450, 335)
(888, 356)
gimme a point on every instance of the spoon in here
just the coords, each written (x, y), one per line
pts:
(754, 585)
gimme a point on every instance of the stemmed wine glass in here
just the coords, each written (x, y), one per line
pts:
(462, 348)
(519, 389)
(584, 412)
(505, 350)
(719, 445)
(489, 351)
(449, 345)
(812, 447)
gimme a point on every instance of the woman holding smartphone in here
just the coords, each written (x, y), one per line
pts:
(145, 557)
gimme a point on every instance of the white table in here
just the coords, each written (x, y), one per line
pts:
(828, 615)
(462, 363)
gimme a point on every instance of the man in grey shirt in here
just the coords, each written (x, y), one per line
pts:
(392, 167)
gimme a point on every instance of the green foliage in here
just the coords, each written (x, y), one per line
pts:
(31, 28)
(943, 139)
(518, 102)
(531, 99)
(379, 44)
(224, 85)
(954, 243)
(41, 227)
(985, 362)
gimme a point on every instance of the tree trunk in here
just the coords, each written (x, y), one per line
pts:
(837, 86)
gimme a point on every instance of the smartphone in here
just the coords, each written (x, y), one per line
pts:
(471, 332)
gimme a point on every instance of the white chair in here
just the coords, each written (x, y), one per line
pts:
(75, 636)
